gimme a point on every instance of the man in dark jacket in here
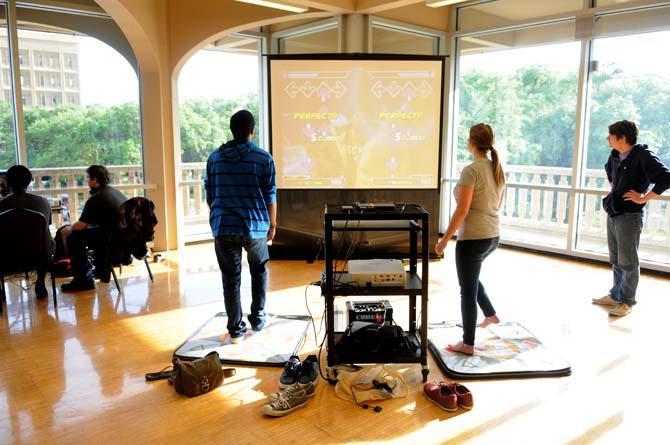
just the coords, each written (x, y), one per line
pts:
(18, 180)
(631, 170)
(241, 194)
(93, 230)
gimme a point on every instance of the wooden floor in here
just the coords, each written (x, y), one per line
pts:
(75, 374)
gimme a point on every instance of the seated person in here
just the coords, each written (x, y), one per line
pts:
(98, 220)
(18, 179)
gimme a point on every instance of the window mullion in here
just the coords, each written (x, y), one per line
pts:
(15, 76)
(581, 129)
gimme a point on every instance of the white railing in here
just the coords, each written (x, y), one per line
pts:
(537, 199)
(68, 184)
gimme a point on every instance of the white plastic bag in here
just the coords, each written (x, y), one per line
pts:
(378, 382)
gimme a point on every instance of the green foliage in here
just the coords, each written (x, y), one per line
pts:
(73, 136)
(204, 125)
(533, 113)
(79, 136)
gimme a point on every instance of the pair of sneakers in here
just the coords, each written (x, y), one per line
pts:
(448, 395)
(300, 373)
(615, 307)
(288, 400)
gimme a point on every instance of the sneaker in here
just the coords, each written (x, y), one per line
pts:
(607, 300)
(621, 310)
(441, 394)
(308, 388)
(290, 402)
(463, 396)
(309, 371)
(291, 372)
(76, 285)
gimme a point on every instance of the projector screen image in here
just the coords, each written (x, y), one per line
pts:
(356, 124)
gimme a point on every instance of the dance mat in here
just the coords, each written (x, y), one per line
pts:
(503, 350)
(281, 338)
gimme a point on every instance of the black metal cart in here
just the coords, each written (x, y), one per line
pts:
(411, 218)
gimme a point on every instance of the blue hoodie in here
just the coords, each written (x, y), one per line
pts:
(240, 185)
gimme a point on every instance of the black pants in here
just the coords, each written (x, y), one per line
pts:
(470, 255)
(78, 243)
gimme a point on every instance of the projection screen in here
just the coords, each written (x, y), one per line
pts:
(359, 123)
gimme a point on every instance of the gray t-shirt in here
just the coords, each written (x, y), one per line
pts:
(482, 221)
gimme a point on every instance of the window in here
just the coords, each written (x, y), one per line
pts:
(524, 85)
(496, 14)
(7, 134)
(396, 40)
(209, 93)
(95, 122)
(631, 82)
(319, 38)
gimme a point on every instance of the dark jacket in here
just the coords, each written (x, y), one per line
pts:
(638, 171)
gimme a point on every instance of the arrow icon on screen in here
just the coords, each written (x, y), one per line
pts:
(291, 90)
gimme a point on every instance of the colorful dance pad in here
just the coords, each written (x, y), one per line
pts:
(503, 350)
(282, 337)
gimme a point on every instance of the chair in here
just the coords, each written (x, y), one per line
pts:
(120, 266)
(24, 246)
(136, 228)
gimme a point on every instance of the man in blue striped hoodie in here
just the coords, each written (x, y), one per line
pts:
(241, 194)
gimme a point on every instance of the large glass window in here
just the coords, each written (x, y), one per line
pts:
(525, 87)
(320, 39)
(81, 107)
(631, 82)
(393, 40)
(7, 135)
(209, 93)
(496, 14)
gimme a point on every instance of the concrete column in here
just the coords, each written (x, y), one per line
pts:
(355, 33)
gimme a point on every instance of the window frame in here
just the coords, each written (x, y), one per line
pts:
(585, 21)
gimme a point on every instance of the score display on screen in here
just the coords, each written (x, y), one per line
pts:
(356, 123)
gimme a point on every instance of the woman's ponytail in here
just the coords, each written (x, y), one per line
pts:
(498, 174)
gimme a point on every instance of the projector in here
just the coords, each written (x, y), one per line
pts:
(377, 272)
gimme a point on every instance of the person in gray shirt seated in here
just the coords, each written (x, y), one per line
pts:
(18, 179)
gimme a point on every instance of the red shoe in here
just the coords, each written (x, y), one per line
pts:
(441, 394)
(463, 395)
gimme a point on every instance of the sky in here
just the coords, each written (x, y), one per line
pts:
(209, 74)
(106, 78)
(637, 55)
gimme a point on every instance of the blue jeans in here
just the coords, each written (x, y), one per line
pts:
(229, 255)
(470, 255)
(623, 240)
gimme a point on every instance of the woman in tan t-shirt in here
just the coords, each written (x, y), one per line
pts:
(478, 196)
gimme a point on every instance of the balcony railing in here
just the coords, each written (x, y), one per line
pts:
(535, 208)
(68, 184)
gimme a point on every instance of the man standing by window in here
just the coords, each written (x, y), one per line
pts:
(241, 194)
(97, 221)
(631, 170)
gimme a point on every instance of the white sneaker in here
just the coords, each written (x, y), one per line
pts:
(607, 300)
(237, 340)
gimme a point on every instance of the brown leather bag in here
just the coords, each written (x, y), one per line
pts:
(200, 376)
